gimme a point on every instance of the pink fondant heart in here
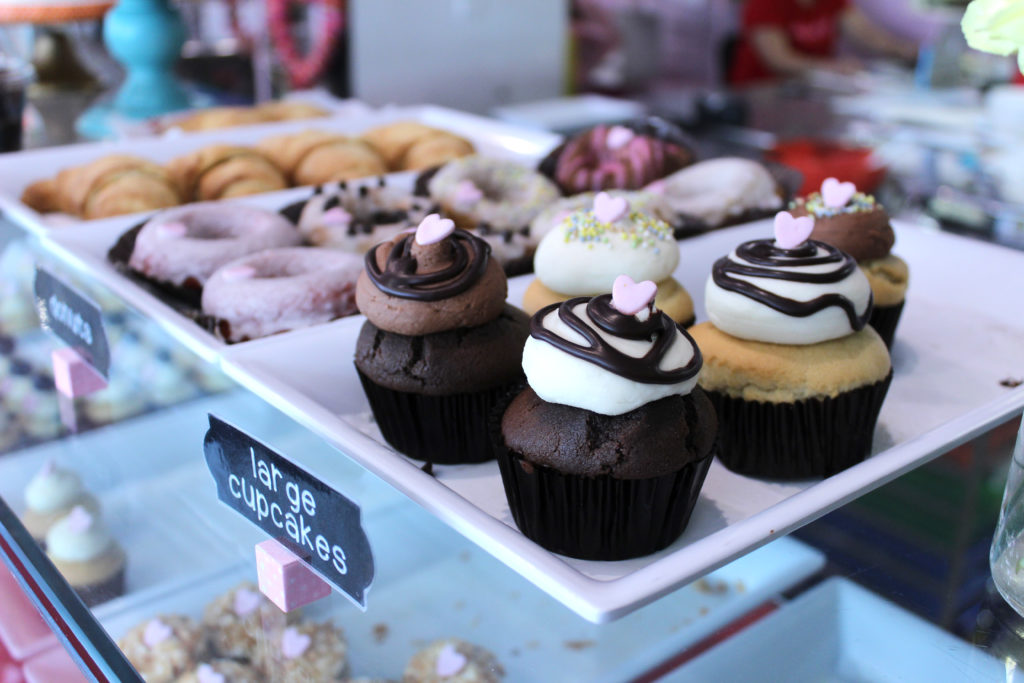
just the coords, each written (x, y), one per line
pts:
(835, 194)
(791, 232)
(619, 136)
(467, 193)
(79, 520)
(294, 642)
(235, 273)
(631, 297)
(172, 230)
(207, 674)
(449, 661)
(156, 632)
(434, 229)
(657, 187)
(246, 601)
(608, 209)
(48, 468)
(336, 216)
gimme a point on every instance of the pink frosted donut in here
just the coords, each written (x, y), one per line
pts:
(616, 157)
(183, 247)
(281, 289)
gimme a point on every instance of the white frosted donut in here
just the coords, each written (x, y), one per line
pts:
(717, 190)
(281, 289)
(184, 246)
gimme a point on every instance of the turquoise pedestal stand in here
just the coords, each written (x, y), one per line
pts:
(146, 37)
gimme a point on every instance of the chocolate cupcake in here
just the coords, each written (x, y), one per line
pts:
(603, 455)
(87, 556)
(439, 345)
(796, 374)
(858, 225)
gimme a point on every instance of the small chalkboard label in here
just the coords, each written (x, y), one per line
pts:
(314, 521)
(74, 318)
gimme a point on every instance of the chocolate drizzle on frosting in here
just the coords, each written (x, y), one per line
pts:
(658, 328)
(399, 277)
(766, 260)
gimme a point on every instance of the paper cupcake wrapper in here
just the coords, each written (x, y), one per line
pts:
(800, 440)
(596, 518)
(96, 593)
(445, 430)
(884, 319)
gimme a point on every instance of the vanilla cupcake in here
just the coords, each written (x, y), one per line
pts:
(238, 621)
(551, 217)
(588, 249)
(50, 496)
(796, 374)
(164, 648)
(453, 661)
(87, 556)
(305, 652)
(858, 225)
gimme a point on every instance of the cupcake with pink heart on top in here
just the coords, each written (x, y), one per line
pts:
(305, 652)
(796, 374)
(859, 225)
(165, 647)
(604, 453)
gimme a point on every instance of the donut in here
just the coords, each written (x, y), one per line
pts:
(617, 157)
(276, 290)
(354, 219)
(183, 247)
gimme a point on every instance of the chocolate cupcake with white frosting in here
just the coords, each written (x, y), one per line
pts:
(796, 374)
(50, 496)
(858, 225)
(439, 345)
(87, 556)
(604, 453)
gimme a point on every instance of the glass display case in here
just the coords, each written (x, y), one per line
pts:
(883, 566)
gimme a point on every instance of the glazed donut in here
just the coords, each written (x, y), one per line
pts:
(480, 191)
(617, 157)
(281, 289)
(183, 247)
(354, 219)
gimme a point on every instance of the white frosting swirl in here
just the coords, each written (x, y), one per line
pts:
(747, 318)
(582, 256)
(68, 542)
(560, 377)
(53, 488)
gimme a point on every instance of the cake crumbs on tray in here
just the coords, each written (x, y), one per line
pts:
(381, 632)
(703, 611)
(740, 586)
(579, 645)
(1011, 382)
(716, 588)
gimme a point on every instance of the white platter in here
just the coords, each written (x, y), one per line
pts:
(19, 169)
(956, 342)
(839, 631)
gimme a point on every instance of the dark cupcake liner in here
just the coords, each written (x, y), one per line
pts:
(800, 440)
(444, 430)
(596, 518)
(96, 593)
(884, 319)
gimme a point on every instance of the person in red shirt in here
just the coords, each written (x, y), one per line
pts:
(782, 38)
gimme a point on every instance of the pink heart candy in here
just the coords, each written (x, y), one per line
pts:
(156, 632)
(835, 194)
(467, 193)
(433, 229)
(79, 520)
(449, 661)
(336, 216)
(608, 209)
(294, 642)
(172, 230)
(629, 297)
(236, 273)
(619, 136)
(207, 674)
(791, 232)
(657, 187)
(246, 601)
(48, 468)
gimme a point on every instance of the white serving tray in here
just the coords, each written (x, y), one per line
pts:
(839, 631)
(957, 340)
(19, 169)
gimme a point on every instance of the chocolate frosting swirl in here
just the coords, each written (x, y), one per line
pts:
(770, 261)
(398, 277)
(646, 369)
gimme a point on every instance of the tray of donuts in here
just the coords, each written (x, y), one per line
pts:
(66, 186)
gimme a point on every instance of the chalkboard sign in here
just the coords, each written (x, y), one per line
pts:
(73, 317)
(313, 520)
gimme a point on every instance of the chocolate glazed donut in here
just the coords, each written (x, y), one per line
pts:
(646, 369)
(399, 277)
(765, 253)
